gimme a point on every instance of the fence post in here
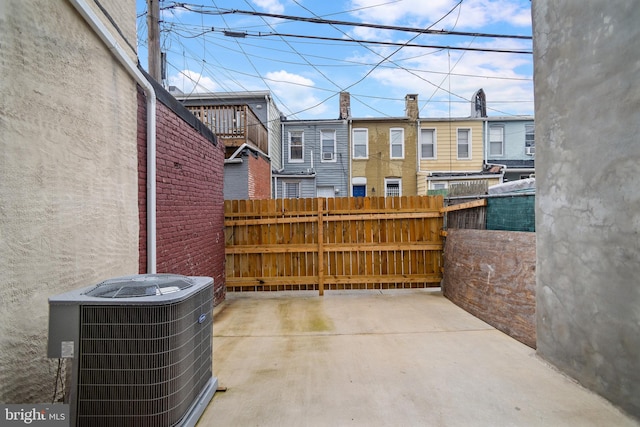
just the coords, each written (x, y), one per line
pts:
(320, 248)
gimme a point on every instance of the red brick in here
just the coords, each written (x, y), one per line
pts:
(190, 220)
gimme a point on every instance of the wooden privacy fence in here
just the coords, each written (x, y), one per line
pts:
(334, 243)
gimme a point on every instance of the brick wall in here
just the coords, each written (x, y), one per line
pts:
(190, 211)
(259, 177)
(492, 275)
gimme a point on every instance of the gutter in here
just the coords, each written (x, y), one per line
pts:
(503, 170)
(101, 31)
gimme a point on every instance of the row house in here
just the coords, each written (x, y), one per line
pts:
(316, 159)
(268, 155)
(452, 153)
(383, 153)
(510, 144)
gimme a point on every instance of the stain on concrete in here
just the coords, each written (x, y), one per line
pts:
(306, 317)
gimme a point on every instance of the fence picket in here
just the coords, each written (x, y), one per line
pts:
(341, 243)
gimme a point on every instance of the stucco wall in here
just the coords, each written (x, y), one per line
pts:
(379, 165)
(68, 176)
(588, 199)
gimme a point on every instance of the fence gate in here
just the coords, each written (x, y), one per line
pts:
(333, 243)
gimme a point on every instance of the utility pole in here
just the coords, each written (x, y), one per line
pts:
(153, 33)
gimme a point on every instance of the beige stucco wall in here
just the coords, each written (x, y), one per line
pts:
(379, 165)
(68, 175)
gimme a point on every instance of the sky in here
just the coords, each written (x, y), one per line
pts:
(305, 74)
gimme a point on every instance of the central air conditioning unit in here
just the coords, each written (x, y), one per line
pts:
(530, 151)
(327, 156)
(141, 349)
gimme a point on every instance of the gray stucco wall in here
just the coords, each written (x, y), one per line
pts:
(588, 193)
(68, 175)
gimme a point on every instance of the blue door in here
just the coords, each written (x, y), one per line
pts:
(359, 190)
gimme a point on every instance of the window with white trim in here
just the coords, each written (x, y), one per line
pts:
(396, 138)
(328, 145)
(360, 143)
(529, 136)
(496, 140)
(435, 185)
(464, 143)
(392, 187)
(427, 143)
(291, 190)
(296, 146)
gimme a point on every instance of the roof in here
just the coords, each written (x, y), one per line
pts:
(312, 121)
(509, 118)
(224, 95)
(452, 119)
(514, 163)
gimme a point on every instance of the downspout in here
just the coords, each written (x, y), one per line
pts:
(99, 28)
(282, 154)
(267, 105)
(350, 156)
(418, 153)
(486, 151)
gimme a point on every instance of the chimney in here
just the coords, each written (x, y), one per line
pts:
(345, 105)
(411, 106)
(479, 104)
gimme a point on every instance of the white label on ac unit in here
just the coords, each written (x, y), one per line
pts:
(66, 349)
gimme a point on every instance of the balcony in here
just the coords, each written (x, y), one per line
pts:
(234, 125)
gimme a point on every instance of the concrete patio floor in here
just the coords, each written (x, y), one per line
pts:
(382, 358)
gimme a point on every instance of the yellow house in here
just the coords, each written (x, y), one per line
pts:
(450, 151)
(383, 154)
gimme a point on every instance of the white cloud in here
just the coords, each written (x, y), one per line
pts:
(295, 92)
(190, 81)
(270, 6)
(471, 14)
(428, 76)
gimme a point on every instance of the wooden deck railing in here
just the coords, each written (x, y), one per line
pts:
(341, 243)
(235, 124)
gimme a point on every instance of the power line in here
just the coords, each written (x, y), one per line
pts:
(347, 23)
(231, 71)
(473, 49)
(345, 63)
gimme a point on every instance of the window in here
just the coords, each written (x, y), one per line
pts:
(392, 187)
(464, 143)
(291, 190)
(529, 136)
(427, 144)
(360, 143)
(326, 191)
(496, 140)
(296, 146)
(438, 185)
(328, 145)
(396, 137)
